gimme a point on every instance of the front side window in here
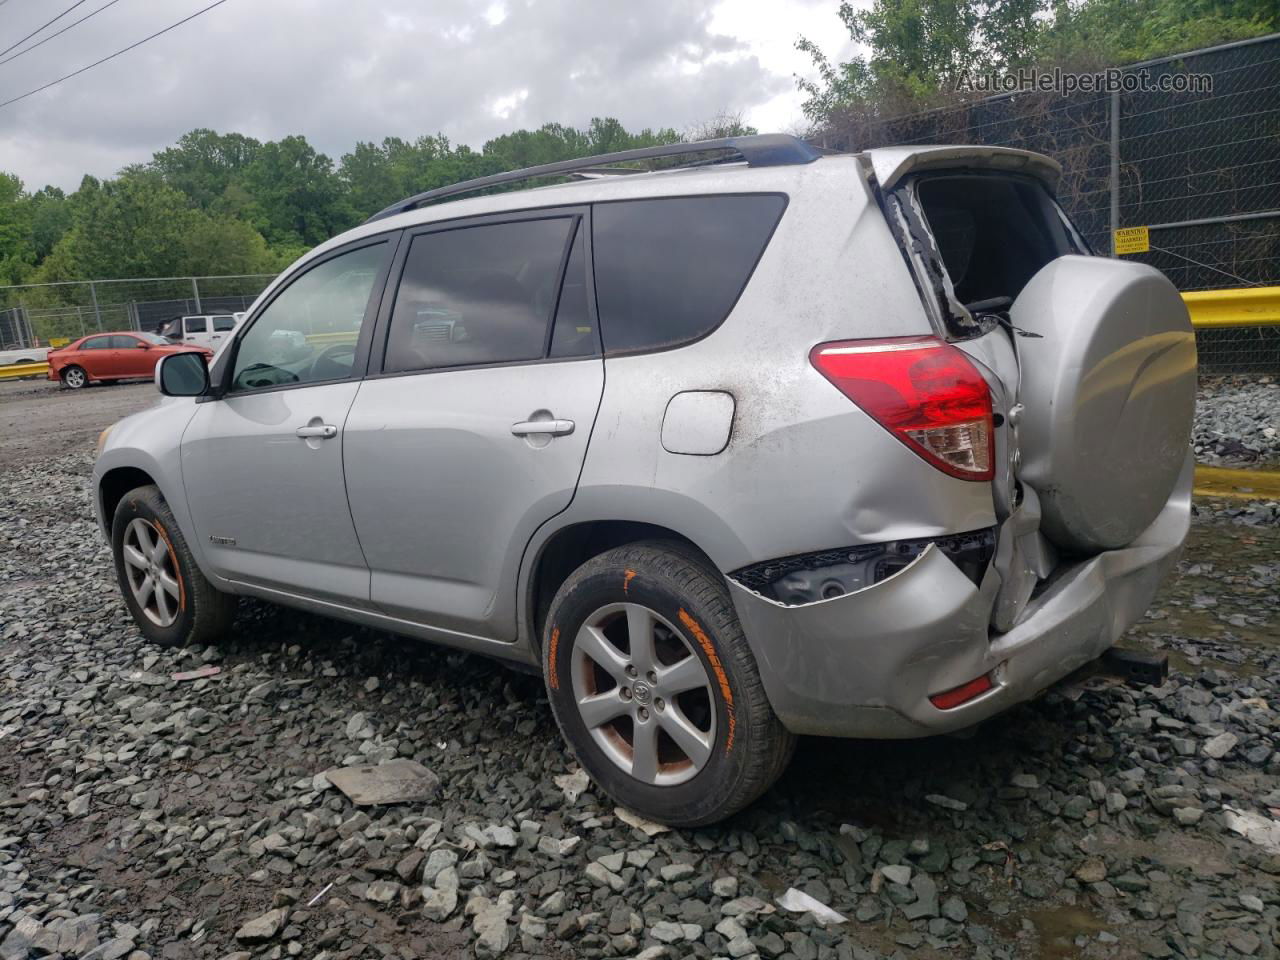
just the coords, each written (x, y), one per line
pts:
(668, 271)
(475, 295)
(197, 325)
(124, 342)
(309, 332)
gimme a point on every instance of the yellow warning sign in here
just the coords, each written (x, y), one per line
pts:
(1132, 240)
(58, 341)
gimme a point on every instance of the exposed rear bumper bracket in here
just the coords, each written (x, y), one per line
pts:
(1137, 667)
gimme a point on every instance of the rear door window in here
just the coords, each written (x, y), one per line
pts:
(575, 332)
(196, 324)
(96, 343)
(478, 295)
(221, 324)
(669, 270)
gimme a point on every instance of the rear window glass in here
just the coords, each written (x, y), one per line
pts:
(669, 271)
(993, 234)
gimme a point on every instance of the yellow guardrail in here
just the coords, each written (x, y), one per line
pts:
(16, 371)
(1237, 484)
(1239, 307)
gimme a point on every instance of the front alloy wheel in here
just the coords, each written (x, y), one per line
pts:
(152, 571)
(170, 599)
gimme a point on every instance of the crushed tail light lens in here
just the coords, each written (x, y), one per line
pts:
(954, 697)
(925, 392)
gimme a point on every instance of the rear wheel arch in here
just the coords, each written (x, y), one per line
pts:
(569, 548)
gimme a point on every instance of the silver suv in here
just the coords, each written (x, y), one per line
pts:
(848, 445)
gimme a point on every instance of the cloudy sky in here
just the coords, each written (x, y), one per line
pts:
(338, 71)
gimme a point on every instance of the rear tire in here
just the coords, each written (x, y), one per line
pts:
(678, 727)
(172, 602)
(74, 378)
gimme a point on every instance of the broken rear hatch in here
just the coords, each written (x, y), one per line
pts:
(1091, 361)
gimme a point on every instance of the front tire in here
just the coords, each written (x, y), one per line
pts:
(74, 378)
(655, 688)
(172, 602)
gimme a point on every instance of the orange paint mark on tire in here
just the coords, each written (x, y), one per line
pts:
(717, 668)
(173, 556)
(626, 582)
(553, 679)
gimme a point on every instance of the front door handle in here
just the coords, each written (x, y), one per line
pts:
(555, 428)
(319, 431)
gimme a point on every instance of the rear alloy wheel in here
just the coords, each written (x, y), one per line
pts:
(172, 602)
(647, 702)
(74, 378)
(655, 688)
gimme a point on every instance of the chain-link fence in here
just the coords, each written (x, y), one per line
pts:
(38, 314)
(1200, 169)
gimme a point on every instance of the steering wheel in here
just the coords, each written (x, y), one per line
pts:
(329, 355)
(258, 375)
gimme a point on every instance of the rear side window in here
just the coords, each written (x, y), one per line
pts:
(197, 325)
(476, 295)
(96, 343)
(669, 271)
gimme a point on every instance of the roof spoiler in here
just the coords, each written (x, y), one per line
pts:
(758, 150)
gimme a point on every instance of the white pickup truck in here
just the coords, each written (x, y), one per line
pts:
(23, 355)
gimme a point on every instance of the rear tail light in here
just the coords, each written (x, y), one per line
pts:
(925, 392)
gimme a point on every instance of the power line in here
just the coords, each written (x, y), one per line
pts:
(98, 63)
(39, 28)
(58, 33)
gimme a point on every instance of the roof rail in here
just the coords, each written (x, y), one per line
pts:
(758, 150)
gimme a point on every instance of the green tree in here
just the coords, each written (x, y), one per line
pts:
(296, 197)
(917, 49)
(204, 164)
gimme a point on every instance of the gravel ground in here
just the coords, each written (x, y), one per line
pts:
(1238, 421)
(145, 817)
(39, 419)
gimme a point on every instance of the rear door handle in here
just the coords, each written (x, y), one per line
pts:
(556, 428)
(321, 431)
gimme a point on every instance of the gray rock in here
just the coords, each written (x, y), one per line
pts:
(1219, 746)
(896, 873)
(725, 887)
(263, 928)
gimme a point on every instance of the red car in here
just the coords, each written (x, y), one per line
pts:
(112, 356)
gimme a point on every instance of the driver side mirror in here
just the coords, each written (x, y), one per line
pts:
(143, 345)
(182, 375)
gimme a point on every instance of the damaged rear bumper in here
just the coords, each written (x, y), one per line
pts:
(865, 664)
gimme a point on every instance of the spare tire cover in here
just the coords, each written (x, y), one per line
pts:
(1108, 391)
